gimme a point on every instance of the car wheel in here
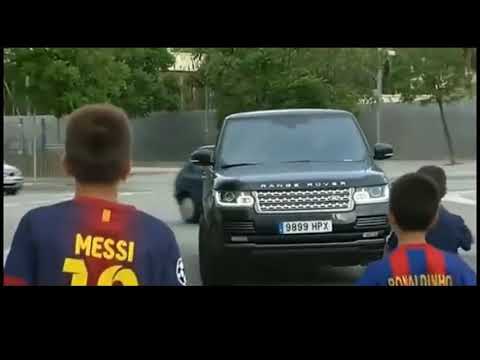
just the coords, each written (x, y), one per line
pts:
(188, 209)
(212, 270)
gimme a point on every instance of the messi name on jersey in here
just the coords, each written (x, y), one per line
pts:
(421, 280)
(104, 248)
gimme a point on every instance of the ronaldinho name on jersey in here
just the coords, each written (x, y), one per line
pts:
(421, 280)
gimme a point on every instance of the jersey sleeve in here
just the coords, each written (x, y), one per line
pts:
(170, 271)
(20, 265)
(466, 236)
(467, 275)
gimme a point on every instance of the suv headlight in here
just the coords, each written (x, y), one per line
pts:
(372, 194)
(234, 198)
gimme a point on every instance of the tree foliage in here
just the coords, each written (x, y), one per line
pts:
(433, 75)
(62, 79)
(244, 79)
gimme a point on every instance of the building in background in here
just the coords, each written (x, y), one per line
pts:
(191, 88)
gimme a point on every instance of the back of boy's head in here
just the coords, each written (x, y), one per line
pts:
(414, 201)
(98, 144)
(437, 174)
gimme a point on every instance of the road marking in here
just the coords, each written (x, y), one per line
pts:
(457, 197)
(40, 202)
(10, 204)
(59, 197)
(135, 193)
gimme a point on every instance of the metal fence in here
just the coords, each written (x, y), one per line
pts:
(415, 131)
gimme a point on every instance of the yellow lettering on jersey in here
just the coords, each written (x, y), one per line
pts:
(78, 269)
(423, 280)
(449, 280)
(83, 244)
(117, 274)
(441, 280)
(100, 247)
(97, 246)
(109, 253)
(131, 250)
(122, 250)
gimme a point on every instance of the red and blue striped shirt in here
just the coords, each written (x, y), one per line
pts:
(89, 241)
(418, 265)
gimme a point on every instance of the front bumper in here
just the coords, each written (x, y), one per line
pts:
(12, 183)
(350, 243)
(332, 253)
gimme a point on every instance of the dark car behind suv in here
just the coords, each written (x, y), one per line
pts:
(188, 190)
(288, 184)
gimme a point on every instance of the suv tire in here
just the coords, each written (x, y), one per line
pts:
(189, 210)
(213, 271)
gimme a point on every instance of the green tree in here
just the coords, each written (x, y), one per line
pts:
(62, 79)
(434, 75)
(245, 79)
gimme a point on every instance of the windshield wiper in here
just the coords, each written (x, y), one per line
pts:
(226, 166)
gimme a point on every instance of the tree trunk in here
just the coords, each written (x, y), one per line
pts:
(451, 153)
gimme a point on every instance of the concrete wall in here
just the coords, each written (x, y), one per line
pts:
(168, 136)
(416, 131)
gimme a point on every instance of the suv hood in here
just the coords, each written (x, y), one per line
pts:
(300, 176)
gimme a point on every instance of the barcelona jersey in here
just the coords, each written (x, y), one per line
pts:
(90, 241)
(419, 265)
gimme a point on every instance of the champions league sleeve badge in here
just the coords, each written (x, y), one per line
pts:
(181, 272)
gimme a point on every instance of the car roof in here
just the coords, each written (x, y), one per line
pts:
(287, 112)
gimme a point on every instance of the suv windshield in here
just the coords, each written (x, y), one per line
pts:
(291, 138)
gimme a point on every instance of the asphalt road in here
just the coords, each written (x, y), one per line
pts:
(154, 194)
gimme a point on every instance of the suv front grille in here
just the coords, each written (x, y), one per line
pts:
(239, 227)
(371, 221)
(287, 201)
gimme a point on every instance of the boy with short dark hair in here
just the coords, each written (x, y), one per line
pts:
(414, 202)
(449, 232)
(93, 239)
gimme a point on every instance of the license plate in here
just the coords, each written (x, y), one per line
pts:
(305, 227)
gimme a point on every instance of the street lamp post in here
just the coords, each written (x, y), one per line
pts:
(379, 91)
(382, 55)
(34, 145)
(206, 115)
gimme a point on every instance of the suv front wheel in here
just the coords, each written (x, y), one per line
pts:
(189, 210)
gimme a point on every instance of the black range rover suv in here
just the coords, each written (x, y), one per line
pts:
(291, 183)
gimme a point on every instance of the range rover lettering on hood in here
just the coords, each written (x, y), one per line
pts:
(313, 185)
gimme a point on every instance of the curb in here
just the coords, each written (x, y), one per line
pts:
(460, 176)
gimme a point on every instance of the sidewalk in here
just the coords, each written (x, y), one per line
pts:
(396, 168)
(393, 169)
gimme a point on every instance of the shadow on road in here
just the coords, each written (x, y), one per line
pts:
(283, 275)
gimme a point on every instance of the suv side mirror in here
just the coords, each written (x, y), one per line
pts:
(383, 151)
(202, 156)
